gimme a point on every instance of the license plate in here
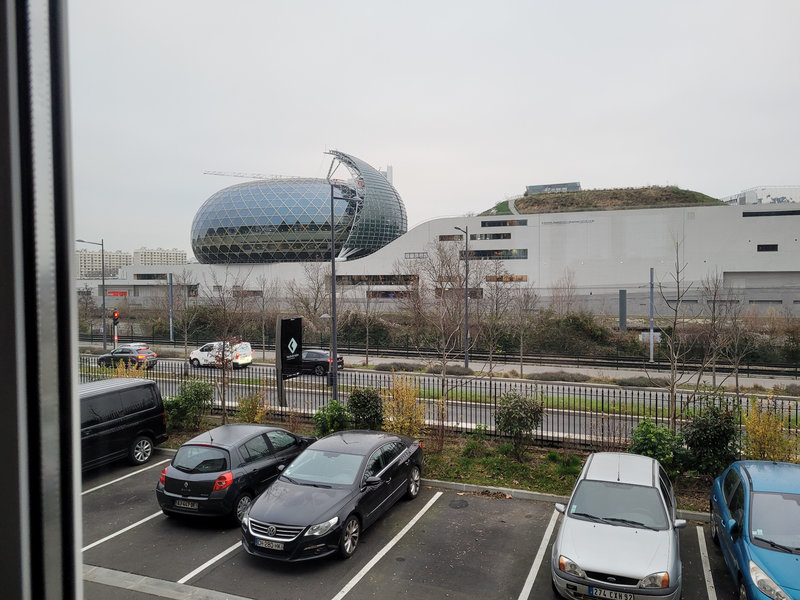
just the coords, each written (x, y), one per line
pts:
(601, 593)
(186, 504)
(269, 545)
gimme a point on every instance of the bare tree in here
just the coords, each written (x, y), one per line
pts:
(86, 304)
(227, 303)
(185, 312)
(564, 299)
(740, 338)
(719, 302)
(311, 296)
(496, 308)
(266, 305)
(524, 303)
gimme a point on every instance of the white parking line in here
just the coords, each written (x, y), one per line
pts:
(701, 539)
(360, 575)
(210, 562)
(94, 489)
(120, 532)
(537, 562)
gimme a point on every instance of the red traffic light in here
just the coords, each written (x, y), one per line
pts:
(115, 314)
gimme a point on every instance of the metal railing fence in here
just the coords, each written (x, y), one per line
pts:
(587, 415)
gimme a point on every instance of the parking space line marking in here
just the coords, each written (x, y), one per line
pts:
(701, 539)
(208, 563)
(94, 489)
(360, 575)
(120, 532)
(537, 562)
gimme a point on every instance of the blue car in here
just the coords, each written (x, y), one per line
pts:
(755, 520)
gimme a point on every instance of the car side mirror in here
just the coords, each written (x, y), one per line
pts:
(281, 468)
(561, 508)
(679, 523)
(373, 481)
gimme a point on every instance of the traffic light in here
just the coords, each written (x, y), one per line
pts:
(116, 317)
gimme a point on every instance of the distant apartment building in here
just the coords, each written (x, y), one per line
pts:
(88, 263)
(159, 256)
(772, 194)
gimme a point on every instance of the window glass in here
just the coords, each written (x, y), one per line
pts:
(391, 451)
(254, 449)
(374, 463)
(200, 459)
(775, 517)
(319, 466)
(281, 440)
(736, 504)
(729, 484)
(618, 502)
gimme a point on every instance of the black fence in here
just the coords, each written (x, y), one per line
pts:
(586, 415)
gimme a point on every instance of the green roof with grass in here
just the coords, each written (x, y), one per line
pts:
(614, 199)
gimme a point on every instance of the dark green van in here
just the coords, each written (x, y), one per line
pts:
(120, 418)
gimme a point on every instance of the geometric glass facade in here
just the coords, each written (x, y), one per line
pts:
(286, 220)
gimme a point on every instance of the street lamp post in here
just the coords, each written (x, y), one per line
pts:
(465, 231)
(333, 371)
(102, 281)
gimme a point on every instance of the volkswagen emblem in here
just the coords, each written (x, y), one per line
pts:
(271, 530)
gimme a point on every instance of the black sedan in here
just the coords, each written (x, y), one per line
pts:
(219, 472)
(129, 356)
(319, 362)
(334, 490)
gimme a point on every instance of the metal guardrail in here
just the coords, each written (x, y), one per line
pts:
(616, 362)
(593, 416)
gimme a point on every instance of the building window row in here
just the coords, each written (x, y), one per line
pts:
(474, 293)
(500, 254)
(387, 294)
(506, 278)
(767, 248)
(150, 276)
(505, 223)
(456, 237)
(415, 255)
(376, 279)
(490, 236)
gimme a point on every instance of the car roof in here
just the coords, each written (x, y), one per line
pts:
(767, 476)
(622, 467)
(105, 385)
(227, 436)
(360, 442)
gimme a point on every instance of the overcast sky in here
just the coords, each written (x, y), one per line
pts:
(468, 101)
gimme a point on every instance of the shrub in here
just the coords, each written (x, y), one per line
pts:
(249, 408)
(642, 381)
(331, 418)
(186, 410)
(517, 416)
(558, 376)
(793, 389)
(400, 366)
(711, 440)
(659, 442)
(476, 443)
(451, 370)
(366, 408)
(767, 436)
(403, 411)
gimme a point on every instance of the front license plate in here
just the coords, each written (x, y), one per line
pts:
(601, 593)
(186, 504)
(269, 545)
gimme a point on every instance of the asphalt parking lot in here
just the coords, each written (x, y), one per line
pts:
(444, 544)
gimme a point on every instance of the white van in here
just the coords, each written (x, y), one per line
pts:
(240, 355)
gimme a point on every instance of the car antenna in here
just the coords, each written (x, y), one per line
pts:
(619, 458)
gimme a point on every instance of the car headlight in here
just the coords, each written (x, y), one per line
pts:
(322, 528)
(569, 567)
(765, 584)
(655, 580)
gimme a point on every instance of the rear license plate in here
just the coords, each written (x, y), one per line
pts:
(611, 595)
(269, 545)
(189, 504)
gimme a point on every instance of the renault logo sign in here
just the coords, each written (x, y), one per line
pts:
(292, 346)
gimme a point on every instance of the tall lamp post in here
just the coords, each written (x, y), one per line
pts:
(102, 281)
(465, 231)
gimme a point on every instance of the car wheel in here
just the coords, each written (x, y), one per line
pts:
(351, 532)
(742, 591)
(240, 506)
(712, 517)
(319, 370)
(195, 363)
(141, 450)
(413, 483)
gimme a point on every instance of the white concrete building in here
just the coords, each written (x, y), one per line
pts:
(159, 256)
(771, 194)
(755, 249)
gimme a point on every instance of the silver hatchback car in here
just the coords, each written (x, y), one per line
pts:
(619, 535)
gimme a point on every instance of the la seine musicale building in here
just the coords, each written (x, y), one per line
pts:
(275, 229)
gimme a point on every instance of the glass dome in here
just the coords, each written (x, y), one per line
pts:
(286, 220)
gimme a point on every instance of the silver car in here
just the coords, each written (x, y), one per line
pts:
(619, 535)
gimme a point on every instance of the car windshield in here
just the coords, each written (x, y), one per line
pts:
(775, 521)
(325, 468)
(200, 459)
(618, 504)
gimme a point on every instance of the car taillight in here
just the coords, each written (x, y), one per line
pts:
(223, 481)
(141, 356)
(163, 478)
